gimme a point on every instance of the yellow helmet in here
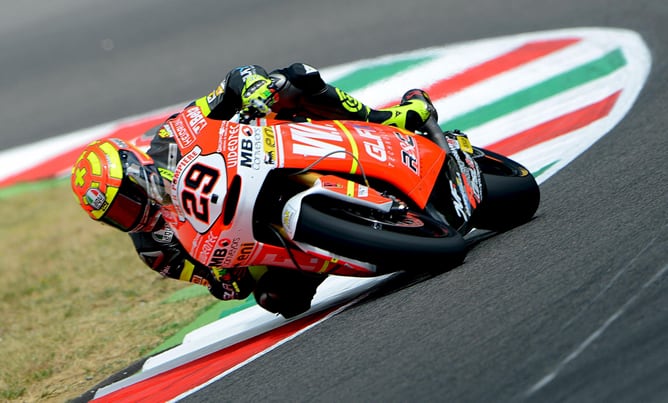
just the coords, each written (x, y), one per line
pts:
(117, 183)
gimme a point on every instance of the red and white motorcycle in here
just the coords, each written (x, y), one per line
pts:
(338, 197)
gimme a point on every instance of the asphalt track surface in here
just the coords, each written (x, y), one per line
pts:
(570, 307)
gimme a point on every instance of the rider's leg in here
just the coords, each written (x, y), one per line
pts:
(305, 90)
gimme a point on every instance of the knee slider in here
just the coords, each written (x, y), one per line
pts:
(286, 292)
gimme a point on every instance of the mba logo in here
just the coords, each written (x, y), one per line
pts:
(251, 148)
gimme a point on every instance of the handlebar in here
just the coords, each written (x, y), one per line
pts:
(434, 133)
(249, 113)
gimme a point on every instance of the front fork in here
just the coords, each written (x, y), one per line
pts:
(461, 178)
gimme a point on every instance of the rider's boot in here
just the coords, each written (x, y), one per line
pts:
(411, 114)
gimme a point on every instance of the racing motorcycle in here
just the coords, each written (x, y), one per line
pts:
(337, 197)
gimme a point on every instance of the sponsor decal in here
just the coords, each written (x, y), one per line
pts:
(163, 235)
(165, 132)
(207, 247)
(231, 253)
(246, 71)
(186, 126)
(182, 134)
(196, 120)
(289, 219)
(465, 144)
(199, 280)
(225, 252)
(348, 102)
(96, 199)
(217, 258)
(409, 152)
(269, 145)
(245, 251)
(166, 173)
(457, 201)
(251, 147)
(373, 143)
(315, 140)
(228, 142)
(187, 159)
(215, 93)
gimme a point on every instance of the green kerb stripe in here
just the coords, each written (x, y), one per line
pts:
(542, 170)
(369, 75)
(20, 188)
(560, 83)
(219, 309)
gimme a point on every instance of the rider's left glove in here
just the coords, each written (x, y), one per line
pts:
(258, 95)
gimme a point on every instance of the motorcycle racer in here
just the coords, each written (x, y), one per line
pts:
(119, 185)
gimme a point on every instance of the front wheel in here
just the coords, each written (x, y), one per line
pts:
(510, 196)
(410, 241)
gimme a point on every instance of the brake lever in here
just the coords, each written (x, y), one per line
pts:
(249, 113)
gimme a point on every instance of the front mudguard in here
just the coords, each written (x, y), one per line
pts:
(336, 188)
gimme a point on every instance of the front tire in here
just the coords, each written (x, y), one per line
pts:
(410, 242)
(511, 195)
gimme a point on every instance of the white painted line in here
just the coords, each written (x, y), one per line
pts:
(599, 332)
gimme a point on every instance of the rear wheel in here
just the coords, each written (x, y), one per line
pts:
(511, 194)
(407, 241)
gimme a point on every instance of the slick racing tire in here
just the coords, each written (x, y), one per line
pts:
(411, 242)
(510, 196)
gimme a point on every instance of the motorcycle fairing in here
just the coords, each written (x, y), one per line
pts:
(411, 163)
(213, 219)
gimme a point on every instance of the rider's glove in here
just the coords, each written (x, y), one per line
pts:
(258, 95)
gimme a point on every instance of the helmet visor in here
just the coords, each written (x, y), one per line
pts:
(129, 208)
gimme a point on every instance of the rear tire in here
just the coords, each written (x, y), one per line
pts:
(511, 195)
(410, 243)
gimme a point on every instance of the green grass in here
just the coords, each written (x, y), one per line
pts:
(77, 304)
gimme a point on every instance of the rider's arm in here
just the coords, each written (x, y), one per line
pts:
(161, 251)
(224, 101)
